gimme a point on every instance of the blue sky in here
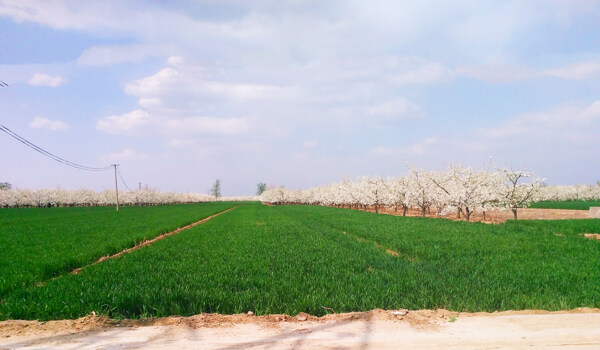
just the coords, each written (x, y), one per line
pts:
(297, 93)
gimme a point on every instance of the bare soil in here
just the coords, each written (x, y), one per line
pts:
(496, 216)
(592, 236)
(378, 329)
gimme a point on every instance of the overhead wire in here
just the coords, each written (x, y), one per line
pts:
(48, 154)
(122, 180)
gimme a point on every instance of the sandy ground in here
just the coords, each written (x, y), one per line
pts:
(377, 329)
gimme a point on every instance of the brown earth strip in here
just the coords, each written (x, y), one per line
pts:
(138, 246)
(494, 216)
(392, 252)
(499, 216)
(592, 236)
(145, 243)
(419, 319)
(377, 329)
(387, 250)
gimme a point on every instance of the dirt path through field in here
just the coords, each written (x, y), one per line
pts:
(377, 329)
(145, 243)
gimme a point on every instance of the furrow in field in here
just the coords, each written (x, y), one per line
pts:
(287, 260)
(387, 250)
(384, 247)
(145, 243)
(39, 244)
(141, 244)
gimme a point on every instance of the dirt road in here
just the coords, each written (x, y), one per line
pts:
(377, 329)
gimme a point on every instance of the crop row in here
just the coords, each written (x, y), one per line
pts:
(39, 244)
(570, 204)
(291, 259)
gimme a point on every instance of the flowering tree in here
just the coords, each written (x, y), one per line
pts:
(421, 189)
(465, 190)
(397, 193)
(518, 194)
(457, 189)
(84, 197)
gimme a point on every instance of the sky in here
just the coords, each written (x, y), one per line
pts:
(296, 93)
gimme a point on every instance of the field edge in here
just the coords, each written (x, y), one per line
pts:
(11, 328)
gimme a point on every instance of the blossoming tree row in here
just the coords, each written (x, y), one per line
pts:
(84, 197)
(458, 189)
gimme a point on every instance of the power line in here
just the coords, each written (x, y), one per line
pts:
(48, 154)
(123, 181)
(3, 84)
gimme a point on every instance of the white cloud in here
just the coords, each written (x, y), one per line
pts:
(150, 102)
(310, 144)
(506, 73)
(578, 71)
(182, 143)
(106, 55)
(383, 151)
(129, 123)
(138, 122)
(44, 123)
(395, 109)
(285, 69)
(562, 123)
(204, 125)
(170, 81)
(180, 100)
(176, 60)
(496, 73)
(40, 79)
(422, 147)
(153, 84)
(374, 112)
(419, 72)
(125, 154)
(592, 112)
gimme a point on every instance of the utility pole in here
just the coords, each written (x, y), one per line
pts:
(116, 185)
(140, 185)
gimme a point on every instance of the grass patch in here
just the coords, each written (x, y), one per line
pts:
(38, 244)
(298, 259)
(574, 205)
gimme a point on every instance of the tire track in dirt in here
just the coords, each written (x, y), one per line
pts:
(139, 245)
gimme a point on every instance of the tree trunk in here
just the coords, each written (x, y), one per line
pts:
(404, 210)
(424, 209)
(376, 208)
(467, 214)
(484, 215)
(458, 213)
(514, 210)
